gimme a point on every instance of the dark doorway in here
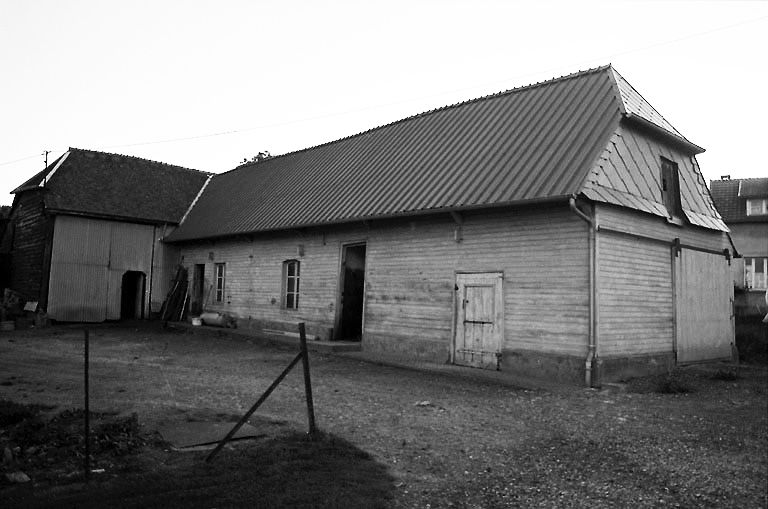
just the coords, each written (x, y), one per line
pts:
(132, 295)
(353, 292)
(198, 289)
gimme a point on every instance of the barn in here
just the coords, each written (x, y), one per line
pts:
(83, 239)
(561, 230)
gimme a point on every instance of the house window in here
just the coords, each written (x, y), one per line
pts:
(670, 188)
(757, 206)
(756, 272)
(291, 284)
(220, 275)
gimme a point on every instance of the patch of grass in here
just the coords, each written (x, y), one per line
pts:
(12, 413)
(671, 384)
(725, 375)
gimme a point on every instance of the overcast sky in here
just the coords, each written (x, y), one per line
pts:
(204, 84)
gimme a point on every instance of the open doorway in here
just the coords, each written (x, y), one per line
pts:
(352, 287)
(132, 295)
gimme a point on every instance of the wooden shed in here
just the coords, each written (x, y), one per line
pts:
(84, 234)
(560, 229)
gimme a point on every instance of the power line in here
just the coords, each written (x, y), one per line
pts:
(393, 103)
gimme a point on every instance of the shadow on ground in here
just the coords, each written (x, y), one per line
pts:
(291, 470)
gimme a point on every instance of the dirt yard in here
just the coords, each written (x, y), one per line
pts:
(412, 439)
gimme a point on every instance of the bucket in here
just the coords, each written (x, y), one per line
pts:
(197, 321)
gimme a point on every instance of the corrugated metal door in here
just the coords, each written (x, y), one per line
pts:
(77, 290)
(479, 320)
(704, 306)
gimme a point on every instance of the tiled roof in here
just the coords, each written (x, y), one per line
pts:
(530, 144)
(730, 196)
(117, 186)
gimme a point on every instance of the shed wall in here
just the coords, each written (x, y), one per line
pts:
(637, 295)
(410, 276)
(27, 237)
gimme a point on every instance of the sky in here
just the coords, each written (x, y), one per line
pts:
(205, 84)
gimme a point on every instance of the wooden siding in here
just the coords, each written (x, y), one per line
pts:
(638, 223)
(704, 307)
(410, 277)
(254, 270)
(636, 303)
(543, 255)
(30, 232)
(88, 260)
(636, 306)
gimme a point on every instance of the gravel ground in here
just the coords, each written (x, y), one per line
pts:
(446, 441)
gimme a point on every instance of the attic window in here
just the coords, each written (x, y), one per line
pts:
(757, 206)
(670, 188)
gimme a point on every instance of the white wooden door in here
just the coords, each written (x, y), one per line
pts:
(704, 307)
(479, 320)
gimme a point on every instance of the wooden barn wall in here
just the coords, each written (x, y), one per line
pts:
(635, 279)
(648, 225)
(636, 305)
(410, 277)
(544, 258)
(88, 260)
(29, 234)
(254, 268)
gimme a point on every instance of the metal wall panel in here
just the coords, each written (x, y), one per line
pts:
(88, 260)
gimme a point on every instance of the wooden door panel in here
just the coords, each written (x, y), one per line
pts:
(479, 320)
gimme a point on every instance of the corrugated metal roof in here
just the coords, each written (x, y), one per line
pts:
(531, 143)
(635, 104)
(528, 144)
(117, 186)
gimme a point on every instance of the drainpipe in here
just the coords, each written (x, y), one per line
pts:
(592, 346)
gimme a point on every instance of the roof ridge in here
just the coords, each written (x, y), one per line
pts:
(502, 93)
(144, 159)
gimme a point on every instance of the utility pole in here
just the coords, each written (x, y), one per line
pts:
(45, 153)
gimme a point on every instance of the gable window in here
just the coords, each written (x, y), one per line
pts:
(756, 272)
(757, 206)
(670, 188)
(291, 284)
(220, 275)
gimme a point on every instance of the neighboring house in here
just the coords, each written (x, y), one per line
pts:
(743, 204)
(561, 229)
(83, 236)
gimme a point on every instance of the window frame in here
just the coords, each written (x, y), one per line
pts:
(670, 188)
(220, 281)
(291, 292)
(750, 274)
(763, 202)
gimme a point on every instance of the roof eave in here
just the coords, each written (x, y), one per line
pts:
(109, 217)
(660, 131)
(549, 200)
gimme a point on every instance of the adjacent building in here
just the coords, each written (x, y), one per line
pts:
(743, 204)
(83, 238)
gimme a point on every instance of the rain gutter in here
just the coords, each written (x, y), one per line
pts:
(590, 374)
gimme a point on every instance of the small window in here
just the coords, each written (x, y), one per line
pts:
(756, 273)
(291, 284)
(670, 188)
(757, 206)
(220, 274)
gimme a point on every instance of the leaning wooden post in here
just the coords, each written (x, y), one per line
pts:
(87, 415)
(307, 382)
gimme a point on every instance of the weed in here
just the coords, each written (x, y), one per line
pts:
(725, 375)
(671, 384)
